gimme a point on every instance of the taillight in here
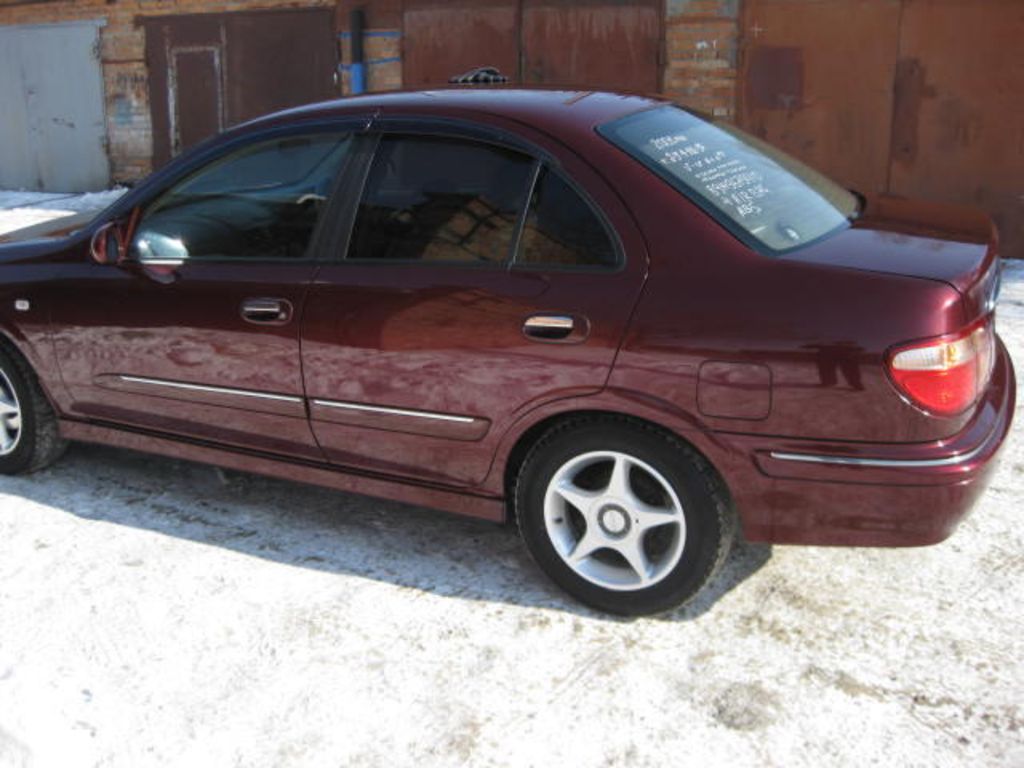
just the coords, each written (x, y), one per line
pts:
(947, 374)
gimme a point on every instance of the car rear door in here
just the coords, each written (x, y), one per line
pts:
(198, 334)
(474, 282)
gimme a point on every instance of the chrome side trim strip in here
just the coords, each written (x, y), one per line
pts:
(215, 390)
(394, 411)
(945, 461)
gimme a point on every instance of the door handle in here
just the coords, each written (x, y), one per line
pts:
(550, 327)
(267, 311)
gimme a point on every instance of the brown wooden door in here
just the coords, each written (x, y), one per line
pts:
(210, 71)
(595, 43)
(917, 98)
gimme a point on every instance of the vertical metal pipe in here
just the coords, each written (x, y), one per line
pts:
(357, 72)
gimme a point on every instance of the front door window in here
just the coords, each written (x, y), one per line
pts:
(259, 202)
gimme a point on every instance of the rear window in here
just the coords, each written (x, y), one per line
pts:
(769, 200)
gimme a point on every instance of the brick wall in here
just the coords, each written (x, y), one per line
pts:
(382, 44)
(382, 54)
(701, 40)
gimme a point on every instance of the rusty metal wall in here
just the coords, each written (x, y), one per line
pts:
(279, 59)
(958, 132)
(917, 98)
(816, 79)
(445, 39)
(210, 71)
(599, 43)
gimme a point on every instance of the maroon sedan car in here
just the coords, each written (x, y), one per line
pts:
(634, 330)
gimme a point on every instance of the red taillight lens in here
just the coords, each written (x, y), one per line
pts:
(946, 375)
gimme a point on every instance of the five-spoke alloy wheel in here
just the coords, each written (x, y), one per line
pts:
(29, 435)
(626, 518)
(10, 416)
(602, 533)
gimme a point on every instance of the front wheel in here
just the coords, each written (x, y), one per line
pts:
(29, 436)
(624, 517)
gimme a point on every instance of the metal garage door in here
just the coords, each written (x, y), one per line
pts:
(919, 98)
(597, 43)
(592, 42)
(444, 39)
(52, 135)
(209, 71)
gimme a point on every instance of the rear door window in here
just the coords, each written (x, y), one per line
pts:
(441, 200)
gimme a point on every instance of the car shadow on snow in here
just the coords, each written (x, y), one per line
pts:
(310, 527)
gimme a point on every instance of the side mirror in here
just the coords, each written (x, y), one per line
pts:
(107, 245)
(156, 248)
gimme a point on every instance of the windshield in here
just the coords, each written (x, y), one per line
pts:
(769, 200)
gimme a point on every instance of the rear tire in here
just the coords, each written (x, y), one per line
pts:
(29, 435)
(624, 517)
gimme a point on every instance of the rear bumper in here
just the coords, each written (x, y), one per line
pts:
(863, 494)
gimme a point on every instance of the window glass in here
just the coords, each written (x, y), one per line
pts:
(260, 202)
(442, 200)
(562, 229)
(770, 200)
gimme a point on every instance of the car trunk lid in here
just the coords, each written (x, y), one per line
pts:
(955, 244)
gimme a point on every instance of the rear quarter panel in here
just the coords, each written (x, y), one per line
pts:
(822, 331)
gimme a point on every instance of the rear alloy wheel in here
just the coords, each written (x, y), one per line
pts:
(601, 533)
(625, 518)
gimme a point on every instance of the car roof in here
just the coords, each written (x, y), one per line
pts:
(553, 109)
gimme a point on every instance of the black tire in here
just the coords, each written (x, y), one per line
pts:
(706, 508)
(38, 443)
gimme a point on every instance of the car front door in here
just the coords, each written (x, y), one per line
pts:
(197, 333)
(477, 282)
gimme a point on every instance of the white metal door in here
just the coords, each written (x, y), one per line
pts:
(52, 135)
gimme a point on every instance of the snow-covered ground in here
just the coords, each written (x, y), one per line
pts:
(23, 209)
(162, 613)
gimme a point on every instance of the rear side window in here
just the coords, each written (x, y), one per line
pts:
(562, 229)
(771, 201)
(440, 200)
